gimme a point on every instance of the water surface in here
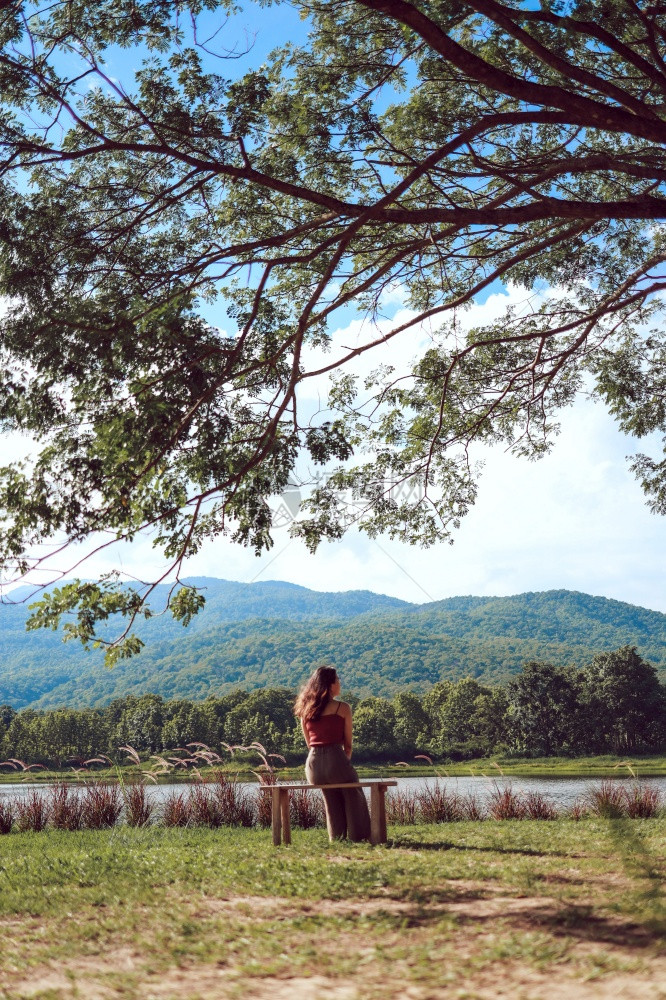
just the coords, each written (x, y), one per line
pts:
(563, 792)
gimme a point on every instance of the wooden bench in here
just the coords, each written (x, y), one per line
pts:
(280, 807)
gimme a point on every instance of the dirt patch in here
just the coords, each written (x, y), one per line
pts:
(578, 968)
(79, 977)
(206, 982)
(572, 876)
(59, 984)
(449, 893)
(478, 902)
(522, 984)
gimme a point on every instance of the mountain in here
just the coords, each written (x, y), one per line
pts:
(273, 633)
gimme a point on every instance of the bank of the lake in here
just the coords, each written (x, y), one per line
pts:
(246, 769)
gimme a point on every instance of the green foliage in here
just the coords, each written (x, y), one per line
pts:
(411, 721)
(262, 635)
(627, 701)
(544, 711)
(374, 727)
(176, 246)
(96, 603)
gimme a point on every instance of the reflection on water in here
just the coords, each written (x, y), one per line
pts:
(562, 791)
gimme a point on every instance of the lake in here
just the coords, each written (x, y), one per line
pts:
(562, 791)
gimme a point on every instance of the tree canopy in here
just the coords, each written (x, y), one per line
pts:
(544, 711)
(239, 642)
(437, 148)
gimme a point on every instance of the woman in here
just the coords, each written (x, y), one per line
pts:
(327, 728)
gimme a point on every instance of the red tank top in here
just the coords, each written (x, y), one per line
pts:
(325, 731)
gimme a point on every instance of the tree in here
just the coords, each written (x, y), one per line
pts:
(458, 712)
(7, 713)
(23, 737)
(67, 733)
(466, 719)
(436, 148)
(490, 723)
(141, 723)
(374, 728)
(625, 704)
(265, 716)
(213, 712)
(434, 701)
(183, 723)
(411, 723)
(544, 712)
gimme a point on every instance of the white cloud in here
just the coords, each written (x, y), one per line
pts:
(403, 349)
(575, 520)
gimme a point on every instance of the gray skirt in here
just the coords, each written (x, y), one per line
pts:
(346, 810)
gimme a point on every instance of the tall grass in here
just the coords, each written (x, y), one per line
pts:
(138, 808)
(213, 801)
(102, 805)
(473, 809)
(538, 806)
(306, 808)
(642, 802)
(235, 805)
(176, 810)
(611, 800)
(435, 804)
(606, 800)
(264, 801)
(505, 803)
(6, 817)
(432, 804)
(31, 812)
(65, 807)
(401, 807)
(205, 808)
(578, 810)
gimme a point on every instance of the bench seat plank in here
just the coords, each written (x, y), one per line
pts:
(342, 784)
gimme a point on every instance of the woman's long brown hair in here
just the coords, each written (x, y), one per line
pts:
(314, 696)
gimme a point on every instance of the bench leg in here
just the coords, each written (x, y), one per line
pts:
(276, 816)
(382, 812)
(377, 828)
(377, 814)
(284, 811)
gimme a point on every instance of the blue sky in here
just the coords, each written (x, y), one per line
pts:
(574, 520)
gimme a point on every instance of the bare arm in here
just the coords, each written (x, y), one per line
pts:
(348, 731)
(305, 734)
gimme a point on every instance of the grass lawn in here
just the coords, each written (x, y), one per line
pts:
(516, 909)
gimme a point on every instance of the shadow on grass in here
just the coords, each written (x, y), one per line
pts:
(643, 923)
(646, 869)
(488, 913)
(450, 845)
(580, 923)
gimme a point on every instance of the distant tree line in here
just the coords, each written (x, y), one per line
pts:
(615, 704)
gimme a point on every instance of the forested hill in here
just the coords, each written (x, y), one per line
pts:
(272, 633)
(227, 600)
